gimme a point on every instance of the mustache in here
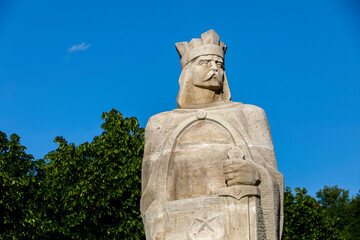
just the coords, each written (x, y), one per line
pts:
(210, 75)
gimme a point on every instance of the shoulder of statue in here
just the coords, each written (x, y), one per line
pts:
(252, 110)
(250, 107)
(254, 114)
(159, 117)
(156, 122)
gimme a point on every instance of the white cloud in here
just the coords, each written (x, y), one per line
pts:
(79, 47)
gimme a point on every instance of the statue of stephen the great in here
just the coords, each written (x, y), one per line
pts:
(209, 169)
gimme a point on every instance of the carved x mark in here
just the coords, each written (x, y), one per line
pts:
(205, 223)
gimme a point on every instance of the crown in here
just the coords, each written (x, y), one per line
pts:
(208, 44)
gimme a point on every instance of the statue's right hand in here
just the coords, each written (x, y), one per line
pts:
(240, 172)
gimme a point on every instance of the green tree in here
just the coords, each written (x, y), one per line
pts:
(304, 219)
(17, 185)
(335, 201)
(92, 191)
(333, 197)
(352, 230)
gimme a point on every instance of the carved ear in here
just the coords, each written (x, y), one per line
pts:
(182, 48)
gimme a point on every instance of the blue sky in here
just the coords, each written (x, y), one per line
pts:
(63, 63)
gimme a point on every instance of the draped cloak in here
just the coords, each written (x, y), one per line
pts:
(168, 176)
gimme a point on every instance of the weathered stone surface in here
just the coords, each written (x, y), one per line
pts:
(209, 169)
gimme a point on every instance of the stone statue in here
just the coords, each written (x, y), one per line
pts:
(209, 169)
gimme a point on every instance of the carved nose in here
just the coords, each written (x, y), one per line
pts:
(213, 66)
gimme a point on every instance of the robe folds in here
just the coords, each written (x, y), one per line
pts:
(183, 169)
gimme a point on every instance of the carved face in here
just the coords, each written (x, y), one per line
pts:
(208, 72)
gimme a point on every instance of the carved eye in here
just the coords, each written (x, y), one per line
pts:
(204, 63)
(220, 65)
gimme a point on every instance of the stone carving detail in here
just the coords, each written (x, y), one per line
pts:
(209, 169)
(201, 114)
(206, 228)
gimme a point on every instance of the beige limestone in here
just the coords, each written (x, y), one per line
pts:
(209, 169)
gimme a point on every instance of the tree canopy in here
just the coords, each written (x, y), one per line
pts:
(337, 205)
(17, 185)
(90, 191)
(304, 219)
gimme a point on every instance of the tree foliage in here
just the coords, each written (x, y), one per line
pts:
(304, 219)
(335, 201)
(333, 197)
(337, 204)
(17, 184)
(90, 191)
(94, 189)
(352, 230)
